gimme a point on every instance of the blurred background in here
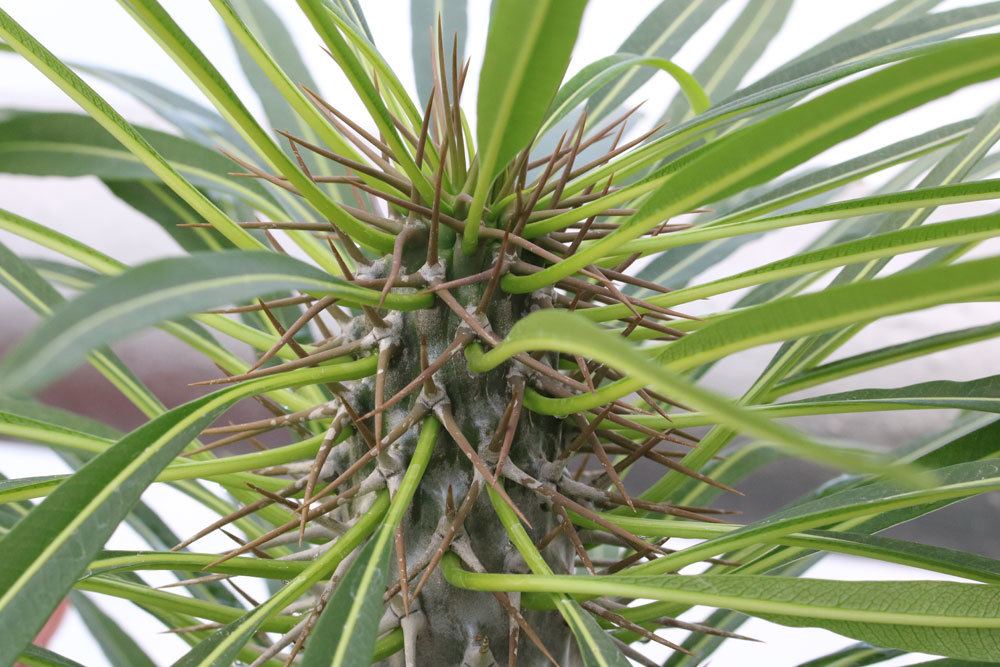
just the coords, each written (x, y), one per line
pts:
(98, 32)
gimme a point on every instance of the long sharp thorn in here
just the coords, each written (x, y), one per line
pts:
(401, 567)
(448, 421)
(570, 531)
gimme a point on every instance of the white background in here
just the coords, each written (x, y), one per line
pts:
(99, 32)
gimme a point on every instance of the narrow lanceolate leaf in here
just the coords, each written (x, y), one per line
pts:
(527, 51)
(940, 617)
(221, 648)
(962, 480)
(578, 89)
(877, 39)
(159, 24)
(95, 105)
(159, 291)
(907, 200)
(347, 628)
(764, 150)
(47, 550)
(891, 244)
(69, 144)
(273, 35)
(884, 356)
(982, 394)
(352, 67)
(735, 53)
(857, 655)
(811, 313)
(36, 656)
(660, 34)
(169, 211)
(541, 331)
(927, 557)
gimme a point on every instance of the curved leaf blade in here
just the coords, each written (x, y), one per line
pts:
(158, 291)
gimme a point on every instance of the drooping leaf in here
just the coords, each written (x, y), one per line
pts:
(735, 53)
(158, 291)
(541, 331)
(661, 34)
(47, 550)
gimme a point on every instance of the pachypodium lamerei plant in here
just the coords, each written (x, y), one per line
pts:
(489, 328)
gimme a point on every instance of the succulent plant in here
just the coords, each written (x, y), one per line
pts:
(484, 323)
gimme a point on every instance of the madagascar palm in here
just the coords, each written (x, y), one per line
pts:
(490, 327)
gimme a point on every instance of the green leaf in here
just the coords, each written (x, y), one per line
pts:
(223, 645)
(962, 480)
(887, 245)
(735, 53)
(545, 330)
(596, 648)
(661, 34)
(25, 488)
(527, 50)
(953, 167)
(120, 129)
(940, 617)
(613, 68)
(158, 23)
(857, 655)
(676, 267)
(809, 313)
(36, 656)
(47, 550)
(930, 27)
(167, 210)
(347, 627)
(923, 556)
(982, 394)
(274, 36)
(120, 649)
(424, 16)
(69, 144)
(158, 291)
(771, 147)
(325, 25)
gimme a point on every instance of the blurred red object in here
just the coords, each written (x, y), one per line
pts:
(51, 626)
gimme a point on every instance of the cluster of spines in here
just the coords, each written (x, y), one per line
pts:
(578, 492)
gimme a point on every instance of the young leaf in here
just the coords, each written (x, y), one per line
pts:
(527, 51)
(661, 34)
